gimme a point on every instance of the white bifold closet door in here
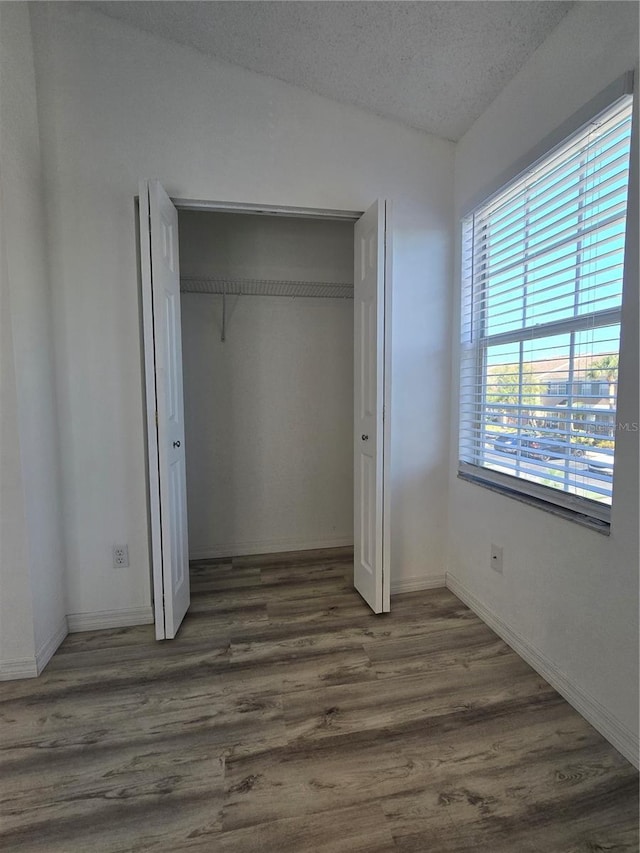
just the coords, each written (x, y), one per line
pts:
(371, 523)
(165, 409)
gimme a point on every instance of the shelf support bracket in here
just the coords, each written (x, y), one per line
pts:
(223, 336)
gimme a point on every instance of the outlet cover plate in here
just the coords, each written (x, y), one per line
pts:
(120, 556)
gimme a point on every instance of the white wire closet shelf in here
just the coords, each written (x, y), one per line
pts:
(266, 287)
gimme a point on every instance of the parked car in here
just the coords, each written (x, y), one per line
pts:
(534, 446)
(604, 467)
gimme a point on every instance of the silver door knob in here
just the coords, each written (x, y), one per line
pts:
(365, 437)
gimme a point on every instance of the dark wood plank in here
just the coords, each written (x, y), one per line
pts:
(361, 830)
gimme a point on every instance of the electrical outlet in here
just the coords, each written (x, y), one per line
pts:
(120, 556)
(496, 558)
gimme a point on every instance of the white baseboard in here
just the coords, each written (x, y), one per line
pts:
(49, 648)
(417, 583)
(624, 740)
(18, 668)
(100, 619)
(268, 546)
(11, 670)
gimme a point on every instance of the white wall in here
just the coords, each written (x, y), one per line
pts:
(17, 641)
(269, 412)
(32, 554)
(265, 247)
(568, 593)
(269, 424)
(119, 105)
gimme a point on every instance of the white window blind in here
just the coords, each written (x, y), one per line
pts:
(542, 288)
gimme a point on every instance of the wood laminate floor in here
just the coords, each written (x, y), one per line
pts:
(286, 717)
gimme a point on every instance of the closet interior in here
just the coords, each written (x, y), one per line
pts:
(267, 351)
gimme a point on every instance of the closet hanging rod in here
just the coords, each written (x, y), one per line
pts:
(266, 287)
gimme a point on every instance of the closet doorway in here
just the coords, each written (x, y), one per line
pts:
(266, 351)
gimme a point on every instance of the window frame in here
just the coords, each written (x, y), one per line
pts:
(474, 351)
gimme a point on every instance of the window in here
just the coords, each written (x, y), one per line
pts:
(542, 288)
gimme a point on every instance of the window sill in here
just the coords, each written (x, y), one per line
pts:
(603, 527)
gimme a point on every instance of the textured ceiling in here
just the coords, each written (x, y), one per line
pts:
(432, 65)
